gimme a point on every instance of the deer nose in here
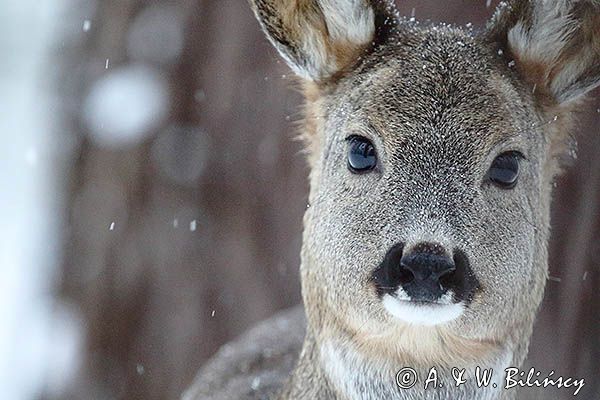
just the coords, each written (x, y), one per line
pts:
(423, 269)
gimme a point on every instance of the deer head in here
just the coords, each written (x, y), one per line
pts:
(433, 151)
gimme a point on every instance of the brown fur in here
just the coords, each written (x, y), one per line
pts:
(439, 104)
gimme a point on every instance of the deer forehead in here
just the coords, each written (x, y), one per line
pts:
(435, 86)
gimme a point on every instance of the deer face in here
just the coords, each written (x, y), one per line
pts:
(428, 196)
(432, 153)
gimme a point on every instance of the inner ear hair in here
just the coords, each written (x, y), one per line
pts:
(555, 44)
(320, 39)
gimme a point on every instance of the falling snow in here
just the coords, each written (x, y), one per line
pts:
(156, 35)
(126, 102)
(139, 90)
(181, 153)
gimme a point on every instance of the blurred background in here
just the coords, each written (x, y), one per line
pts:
(152, 198)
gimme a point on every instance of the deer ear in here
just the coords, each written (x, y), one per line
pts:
(320, 38)
(555, 44)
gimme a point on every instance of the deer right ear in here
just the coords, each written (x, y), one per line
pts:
(555, 44)
(321, 38)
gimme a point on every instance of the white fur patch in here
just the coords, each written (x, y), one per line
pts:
(552, 27)
(427, 315)
(499, 367)
(318, 64)
(356, 378)
(336, 363)
(348, 22)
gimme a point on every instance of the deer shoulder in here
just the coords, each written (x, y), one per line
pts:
(255, 365)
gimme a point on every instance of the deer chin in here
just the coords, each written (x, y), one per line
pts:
(423, 313)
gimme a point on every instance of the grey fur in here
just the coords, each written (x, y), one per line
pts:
(254, 365)
(440, 103)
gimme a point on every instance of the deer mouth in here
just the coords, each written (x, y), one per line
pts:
(425, 285)
(426, 313)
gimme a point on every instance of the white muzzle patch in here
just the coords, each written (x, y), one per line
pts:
(432, 314)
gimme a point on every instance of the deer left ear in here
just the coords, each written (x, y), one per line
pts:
(321, 38)
(555, 44)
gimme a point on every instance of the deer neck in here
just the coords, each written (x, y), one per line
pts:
(336, 369)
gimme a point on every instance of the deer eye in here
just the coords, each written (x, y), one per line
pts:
(362, 156)
(504, 171)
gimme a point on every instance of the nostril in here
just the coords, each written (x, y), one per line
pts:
(406, 275)
(445, 270)
(446, 278)
(445, 282)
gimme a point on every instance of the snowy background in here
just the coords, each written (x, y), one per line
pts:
(152, 198)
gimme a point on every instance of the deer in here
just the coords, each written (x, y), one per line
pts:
(433, 151)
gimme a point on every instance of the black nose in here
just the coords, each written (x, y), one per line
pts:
(427, 262)
(425, 272)
(424, 269)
